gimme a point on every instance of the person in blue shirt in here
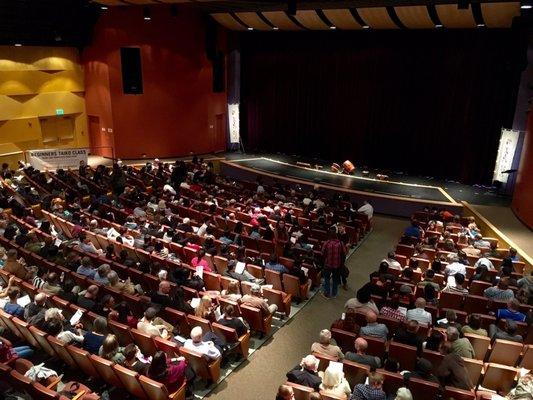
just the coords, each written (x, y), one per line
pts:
(92, 340)
(511, 312)
(12, 307)
(86, 268)
(274, 265)
(513, 254)
(413, 230)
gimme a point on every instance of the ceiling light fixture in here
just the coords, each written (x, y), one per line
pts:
(18, 45)
(275, 28)
(146, 14)
(103, 8)
(332, 27)
(480, 25)
(526, 6)
(438, 26)
(366, 27)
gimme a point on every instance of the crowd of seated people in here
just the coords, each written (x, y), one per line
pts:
(417, 330)
(131, 248)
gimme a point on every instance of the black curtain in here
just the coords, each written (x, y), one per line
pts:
(422, 102)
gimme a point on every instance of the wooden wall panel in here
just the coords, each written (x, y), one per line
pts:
(280, 20)
(415, 17)
(377, 18)
(500, 15)
(252, 19)
(342, 19)
(452, 17)
(311, 20)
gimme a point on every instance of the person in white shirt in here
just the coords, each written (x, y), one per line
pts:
(393, 264)
(485, 262)
(454, 266)
(366, 209)
(205, 348)
(168, 188)
(202, 229)
(419, 313)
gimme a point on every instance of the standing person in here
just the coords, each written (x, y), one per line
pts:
(334, 254)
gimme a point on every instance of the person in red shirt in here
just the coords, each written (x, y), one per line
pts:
(334, 255)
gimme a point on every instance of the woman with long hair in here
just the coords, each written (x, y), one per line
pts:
(110, 350)
(171, 373)
(206, 309)
(334, 383)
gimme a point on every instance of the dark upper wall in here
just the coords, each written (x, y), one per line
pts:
(178, 112)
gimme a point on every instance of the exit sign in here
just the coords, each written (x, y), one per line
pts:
(60, 111)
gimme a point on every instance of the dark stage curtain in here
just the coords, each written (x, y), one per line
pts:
(430, 103)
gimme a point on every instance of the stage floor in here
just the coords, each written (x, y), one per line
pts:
(399, 189)
(399, 184)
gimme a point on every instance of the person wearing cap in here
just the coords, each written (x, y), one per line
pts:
(255, 300)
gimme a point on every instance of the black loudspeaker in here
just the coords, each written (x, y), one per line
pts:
(218, 73)
(132, 77)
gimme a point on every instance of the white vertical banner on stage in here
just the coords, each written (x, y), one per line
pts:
(233, 114)
(506, 150)
(57, 158)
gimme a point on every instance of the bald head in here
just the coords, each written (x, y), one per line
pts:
(412, 326)
(360, 345)
(40, 298)
(371, 317)
(164, 287)
(420, 303)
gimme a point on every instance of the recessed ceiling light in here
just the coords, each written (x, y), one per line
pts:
(480, 25)
(18, 45)
(366, 27)
(275, 28)
(103, 8)
(438, 26)
(250, 28)
(332, 27)
(526, 6)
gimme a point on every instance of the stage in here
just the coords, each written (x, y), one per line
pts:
(400, 195)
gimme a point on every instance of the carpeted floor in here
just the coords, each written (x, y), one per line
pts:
(259, 377)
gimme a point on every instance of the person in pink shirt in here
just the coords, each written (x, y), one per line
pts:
(200, 260)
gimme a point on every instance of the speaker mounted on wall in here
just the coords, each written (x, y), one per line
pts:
(131, 67)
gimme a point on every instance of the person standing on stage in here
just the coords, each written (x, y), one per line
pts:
(334, 255)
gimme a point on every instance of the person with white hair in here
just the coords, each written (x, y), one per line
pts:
(454, 266)
(325, 347)
(306, 373)
(403, 394)
(366, 209)
(255, 300)
(334, 383)
(197, 343)
(419, 313)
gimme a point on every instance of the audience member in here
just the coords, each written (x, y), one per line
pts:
(325, 347)
(334, 383)
(452, 370)
(499, 292)
(306, 373)
(360, 355)
(507, 333)
(460, 346)
(409, 335)
(474, 326)
(373, 328)
(371, 391)
(419, 313)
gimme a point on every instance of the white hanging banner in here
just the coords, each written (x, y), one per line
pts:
(57, 158)
(506, 151)
(234, 133)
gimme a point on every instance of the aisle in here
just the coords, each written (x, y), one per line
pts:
(260, 376)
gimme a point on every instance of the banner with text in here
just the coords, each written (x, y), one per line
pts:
(506, 150)
(57, 158)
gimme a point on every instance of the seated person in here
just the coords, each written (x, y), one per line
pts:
(325, 347)
(363, 301)
(371, 391)
(373, 328)
(511, 312)
(285, 392)
(434, 341)
(54, 327)
(274, 265)
(347, 322)
(233, 292)
(206, 309)
(131, 361)
(244, 276)
(391, 260)
(429, 275)
(86, 268)
(460, 346)
(409, 335)
(230, 320)
(419, 313)
(255, 300)
(507, 333)
(92, 340)
(393, 309)
(499, 292)
(383, 273)
(474, 326)
(306, 373)
(122, 286)
(457, 286)
(12, 307)
(153, 325)
(452, 370)
(169, 372)
(200, 260)
(423, 370)
(88, 299)
(334, 383)
(162, 296)
(208, 348)
(451, 320)
(360, 355)
(110, 350)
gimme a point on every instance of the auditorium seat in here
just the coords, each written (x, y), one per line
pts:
(281, 299)
(422, 389)
(255, 270)
(392, 323)
(392, 381)
(327, 396)
(121, 331)
(171, 348)
(208, 370)
(273, 278)
(256, 320)
(230, 335)
(499, 378)
(106, 371)
(144, 342)
(61, 351)
(354, 372)
(406, 355)
(376, 346)
(40, 336)
(23, 328)
(324, 360)
(344, 339)
(505, 352)
(83, 361)
(475, 304)
(479, 343)
(434, 357)
(158, 391)
(474, 368)
(527, 359)
(130, 380)
(478, 287)
(292, 286)
(458, 394)
(198, 321)
(221, 264)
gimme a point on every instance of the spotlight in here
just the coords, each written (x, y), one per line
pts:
(275, 28)
(526, 6)
(103, 8)
(438, 26)
(146, 14)
(18, 45)
(291, 7)
(250, 28)
(480, 25)
(332, 27)
(366, 27)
